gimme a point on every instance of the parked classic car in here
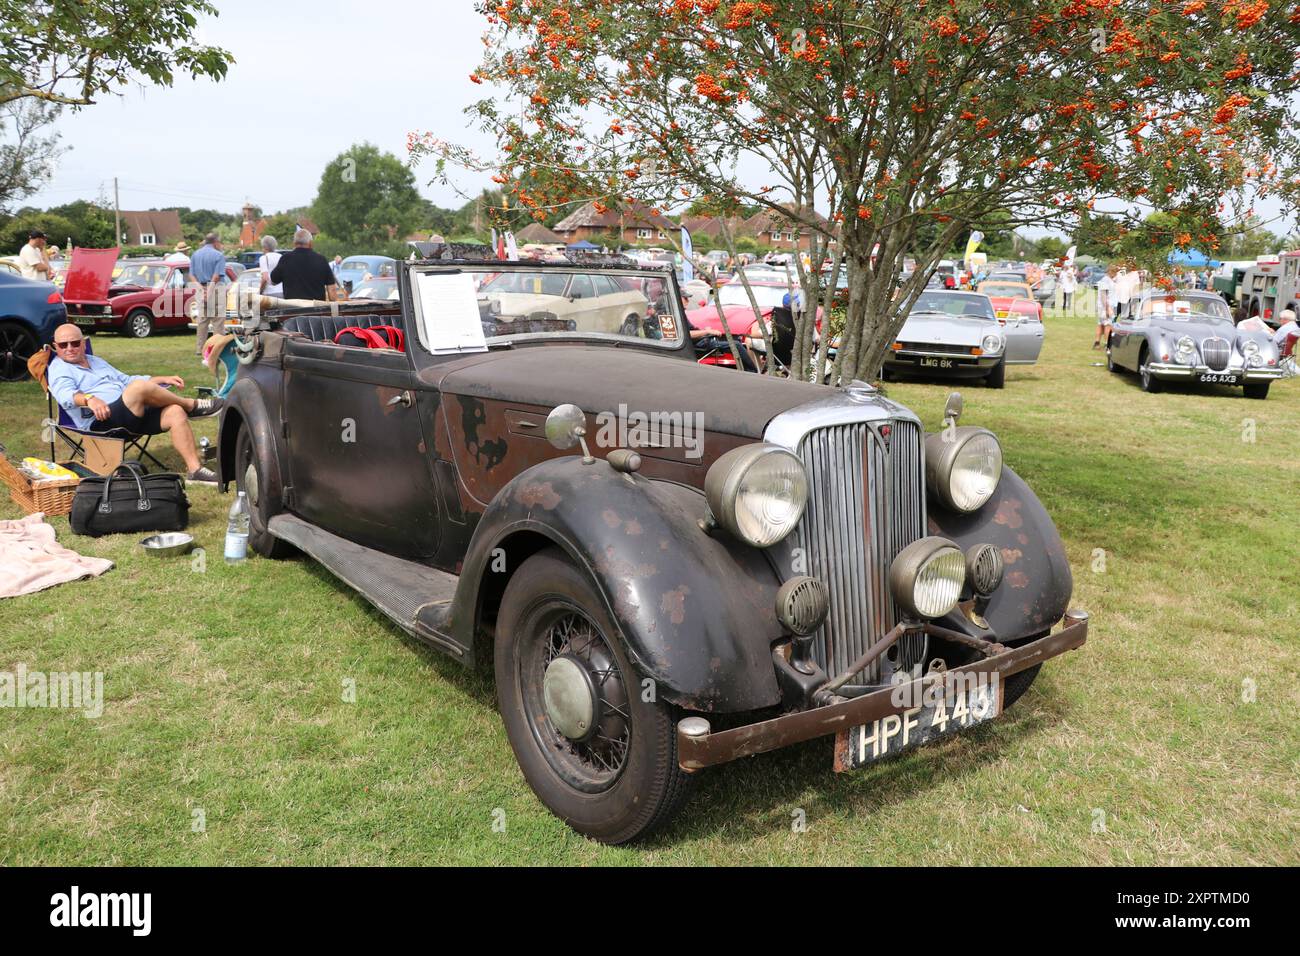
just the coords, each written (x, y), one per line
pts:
(591, 302)
(135, 299)
(1189, 336)
(669, 567)
(355, 268)
(1012, 299)
(30, 311)
(375, 289)
(958, 334)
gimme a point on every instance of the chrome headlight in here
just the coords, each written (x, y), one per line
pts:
(927, 577)
(992, 344)
(1185, 351)
(757, 492)
(1249, 347)
(963, 467)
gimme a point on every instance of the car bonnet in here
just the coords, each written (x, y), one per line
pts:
(601, 378)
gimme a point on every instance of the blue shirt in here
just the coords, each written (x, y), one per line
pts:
(207, 262)
(100, 380)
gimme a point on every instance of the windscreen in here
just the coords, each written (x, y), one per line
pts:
(560, 302)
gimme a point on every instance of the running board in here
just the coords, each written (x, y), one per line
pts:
(416, 597)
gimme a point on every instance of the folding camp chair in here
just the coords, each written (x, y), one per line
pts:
(1290, 361)
(101, 452)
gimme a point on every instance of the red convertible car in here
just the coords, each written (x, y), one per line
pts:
(147, 294)
(1012, 298)
(739, 312)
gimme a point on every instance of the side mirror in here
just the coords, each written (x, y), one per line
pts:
(566, 426)
(951, 409)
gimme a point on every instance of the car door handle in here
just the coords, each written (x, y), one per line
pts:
(403, 398)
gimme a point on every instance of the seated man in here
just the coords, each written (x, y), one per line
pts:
(99, 398)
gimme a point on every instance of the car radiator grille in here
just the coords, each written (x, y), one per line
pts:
(866, 502)
(1216, 353)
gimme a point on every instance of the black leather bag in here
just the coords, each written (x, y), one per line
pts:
(127, 501)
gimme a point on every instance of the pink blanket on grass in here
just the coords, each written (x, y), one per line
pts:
(31, 560)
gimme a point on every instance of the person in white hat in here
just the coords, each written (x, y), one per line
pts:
(180, 255)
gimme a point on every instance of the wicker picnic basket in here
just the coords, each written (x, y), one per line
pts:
(51, 495)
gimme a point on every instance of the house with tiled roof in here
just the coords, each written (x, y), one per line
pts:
(770, 228)
(629, 224)
(153, 227)
(711, 226)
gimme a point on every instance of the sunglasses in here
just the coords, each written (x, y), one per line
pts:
(68, 345)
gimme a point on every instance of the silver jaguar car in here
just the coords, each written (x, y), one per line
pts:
(958, 334)
(1188, 336)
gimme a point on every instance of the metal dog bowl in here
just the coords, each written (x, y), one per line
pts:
(165, 545)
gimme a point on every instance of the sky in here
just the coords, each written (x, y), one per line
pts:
(310, 78)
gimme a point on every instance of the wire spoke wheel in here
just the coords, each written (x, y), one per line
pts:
(593, 761)
(597, 749)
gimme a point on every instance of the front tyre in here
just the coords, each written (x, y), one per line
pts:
(1014, 687)
(249, 480)
(998, 377)
(1256, 389)
(596, 753)
(1149, 382)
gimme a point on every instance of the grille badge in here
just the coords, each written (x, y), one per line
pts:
(885, 432)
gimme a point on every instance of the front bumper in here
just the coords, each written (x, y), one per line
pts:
(941, 362)
(697, 750)
(1172, 370)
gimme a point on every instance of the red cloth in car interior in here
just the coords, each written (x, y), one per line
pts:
(375, 337)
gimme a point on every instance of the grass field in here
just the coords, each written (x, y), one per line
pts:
(1169, 738)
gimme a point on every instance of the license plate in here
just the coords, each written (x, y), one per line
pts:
(1221, 378)
(1003, 313)
(936, 363)
(938, 713)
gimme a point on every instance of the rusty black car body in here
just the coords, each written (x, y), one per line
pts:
(623, 616)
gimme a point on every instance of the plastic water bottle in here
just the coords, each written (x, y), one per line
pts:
(237, 530)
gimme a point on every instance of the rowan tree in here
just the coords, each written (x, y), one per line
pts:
(894, 119)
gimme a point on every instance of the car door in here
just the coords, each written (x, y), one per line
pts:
(591, 313)
(169, 308)
(1024, 339)
(360, 466)
(1125, 342)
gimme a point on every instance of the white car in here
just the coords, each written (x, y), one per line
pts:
(587, 301)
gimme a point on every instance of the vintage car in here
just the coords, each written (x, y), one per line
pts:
(141, 296)
(355, 268)
(1012, 299)
(667, 566)
(591, 301)
(385, 289)
(957, 334)
(1189, 336)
